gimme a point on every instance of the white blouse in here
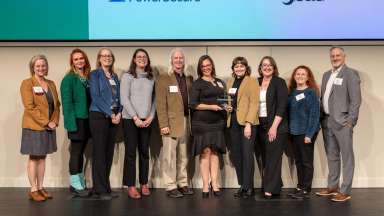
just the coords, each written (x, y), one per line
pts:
(263, 103)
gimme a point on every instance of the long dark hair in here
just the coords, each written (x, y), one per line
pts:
(132, 66)
(200, 63)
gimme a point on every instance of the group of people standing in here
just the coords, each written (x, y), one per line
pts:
(259, 115)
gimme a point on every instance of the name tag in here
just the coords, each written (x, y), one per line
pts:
(112, 82)
(220, 84)
(232, 91)
(38, 89)
(300, 96)
(338, 81)
(173, 89)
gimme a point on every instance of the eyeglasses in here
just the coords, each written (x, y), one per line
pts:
(266, 65)
(207, 65)
(141, 57)
(106, 56)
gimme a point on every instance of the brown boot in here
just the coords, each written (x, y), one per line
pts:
(45, 194)
(36, 196)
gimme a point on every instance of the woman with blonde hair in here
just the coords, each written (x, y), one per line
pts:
(104, 116)
(40, 120)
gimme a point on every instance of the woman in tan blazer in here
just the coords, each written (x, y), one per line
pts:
(244, 92)
(40, 119)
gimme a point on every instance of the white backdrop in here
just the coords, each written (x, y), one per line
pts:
(367, 59)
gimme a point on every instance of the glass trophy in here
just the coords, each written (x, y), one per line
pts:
(225, 101)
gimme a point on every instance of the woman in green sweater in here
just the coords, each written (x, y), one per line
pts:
(75, 100)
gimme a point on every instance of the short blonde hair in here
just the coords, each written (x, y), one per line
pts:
(33, 60)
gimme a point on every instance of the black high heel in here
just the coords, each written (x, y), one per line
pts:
(205, 194)
(215, 193)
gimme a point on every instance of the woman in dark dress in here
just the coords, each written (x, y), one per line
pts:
(208, 122)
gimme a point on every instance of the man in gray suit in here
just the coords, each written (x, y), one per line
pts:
(340, 102)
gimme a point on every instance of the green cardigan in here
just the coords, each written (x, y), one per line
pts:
(74, 100)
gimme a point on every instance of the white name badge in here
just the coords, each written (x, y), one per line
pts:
(220, 84)
(338, 81)
(112, 82)
(38, 89)
(232, 91)
(173, 89)
(300, 96)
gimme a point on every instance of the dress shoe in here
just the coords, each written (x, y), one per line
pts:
(239, 193)
(133, 193)
(79, 193)
(114, 194)
(145, 190)
(175, 193)
(295, 191)
(248, 193)
(205, 194)
(36, 196)
(103, 196)
(45, 193)
(327, 192)
(302, 194)
(267, 195)
(341, 197)
(186, 190)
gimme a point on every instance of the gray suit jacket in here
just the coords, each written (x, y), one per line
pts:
(344, 100)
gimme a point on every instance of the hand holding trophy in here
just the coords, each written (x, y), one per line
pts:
(225, 102)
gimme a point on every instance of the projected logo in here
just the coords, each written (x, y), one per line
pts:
(290, 2)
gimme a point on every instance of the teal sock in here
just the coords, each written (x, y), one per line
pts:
(75, 182)
(82, 180)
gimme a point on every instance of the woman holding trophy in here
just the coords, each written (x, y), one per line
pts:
(208, 123)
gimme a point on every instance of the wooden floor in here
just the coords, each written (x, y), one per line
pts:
(364, 202)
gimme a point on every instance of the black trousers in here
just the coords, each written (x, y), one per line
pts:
(271, 155)
(76, 156)
(103, 139)
(79, 140)
(242, 150)
(135, 138)
(303, 154)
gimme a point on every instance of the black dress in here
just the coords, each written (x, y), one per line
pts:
(207, 125)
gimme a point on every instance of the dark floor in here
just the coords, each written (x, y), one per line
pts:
(364, 202)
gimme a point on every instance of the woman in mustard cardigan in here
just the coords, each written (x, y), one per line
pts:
(76, 99)
(244, 92)
(40, 119)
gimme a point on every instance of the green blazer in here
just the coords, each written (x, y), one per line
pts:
(75, 100)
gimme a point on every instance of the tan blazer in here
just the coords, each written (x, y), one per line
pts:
(247, 101)
(169, 105)
(36, 111)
